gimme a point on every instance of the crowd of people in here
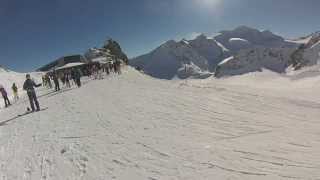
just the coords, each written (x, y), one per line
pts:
(97, 70)
(68, 78)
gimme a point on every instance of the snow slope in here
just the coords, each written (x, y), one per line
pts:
(256, 126)
(8, 77)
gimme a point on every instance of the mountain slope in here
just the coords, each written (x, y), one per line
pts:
(255, 59)
(209, 49)
(168, 60)
(308, 54)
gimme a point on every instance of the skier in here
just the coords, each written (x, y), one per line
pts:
(48, 81)
(67, 79)
(77, 75)
(61, 77)
(111, 66)
(115, 67)
(29, 87)
(15, 92)
(44, 81)
(118, 66)
(107, 67)
(56, 81)
(95, 72)
(73, 77)
(5, 96)
(100, 70)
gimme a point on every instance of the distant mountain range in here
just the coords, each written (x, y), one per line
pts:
(231, 52)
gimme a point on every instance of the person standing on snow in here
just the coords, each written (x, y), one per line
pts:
(118, 65)
(5, 96)
(15, 92)
(67, 79)
(29, 86)
(48, 81)
(56, 81)
(44, 82)
(107, 68)
(77, 76)
(115, 67)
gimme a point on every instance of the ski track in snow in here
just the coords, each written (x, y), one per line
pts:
(135, 127)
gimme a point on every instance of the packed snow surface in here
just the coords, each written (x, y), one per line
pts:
(255, 126)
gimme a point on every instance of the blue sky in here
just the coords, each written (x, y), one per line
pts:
(35, 32)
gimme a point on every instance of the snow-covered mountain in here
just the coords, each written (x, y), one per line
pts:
(308, 54)
(172, 59)
(210, 49)
(293, 55)
(169, 59)
(255, 59)
(245, 37)
(110, 51)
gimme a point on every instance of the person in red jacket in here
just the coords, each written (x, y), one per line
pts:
(5, 96)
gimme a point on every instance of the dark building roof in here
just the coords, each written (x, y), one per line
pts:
(63, 61)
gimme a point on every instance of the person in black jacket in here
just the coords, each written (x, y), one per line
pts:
(56, 81)
(29, 86)
(77, 75)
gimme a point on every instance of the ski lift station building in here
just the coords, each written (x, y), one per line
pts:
(63, 61)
